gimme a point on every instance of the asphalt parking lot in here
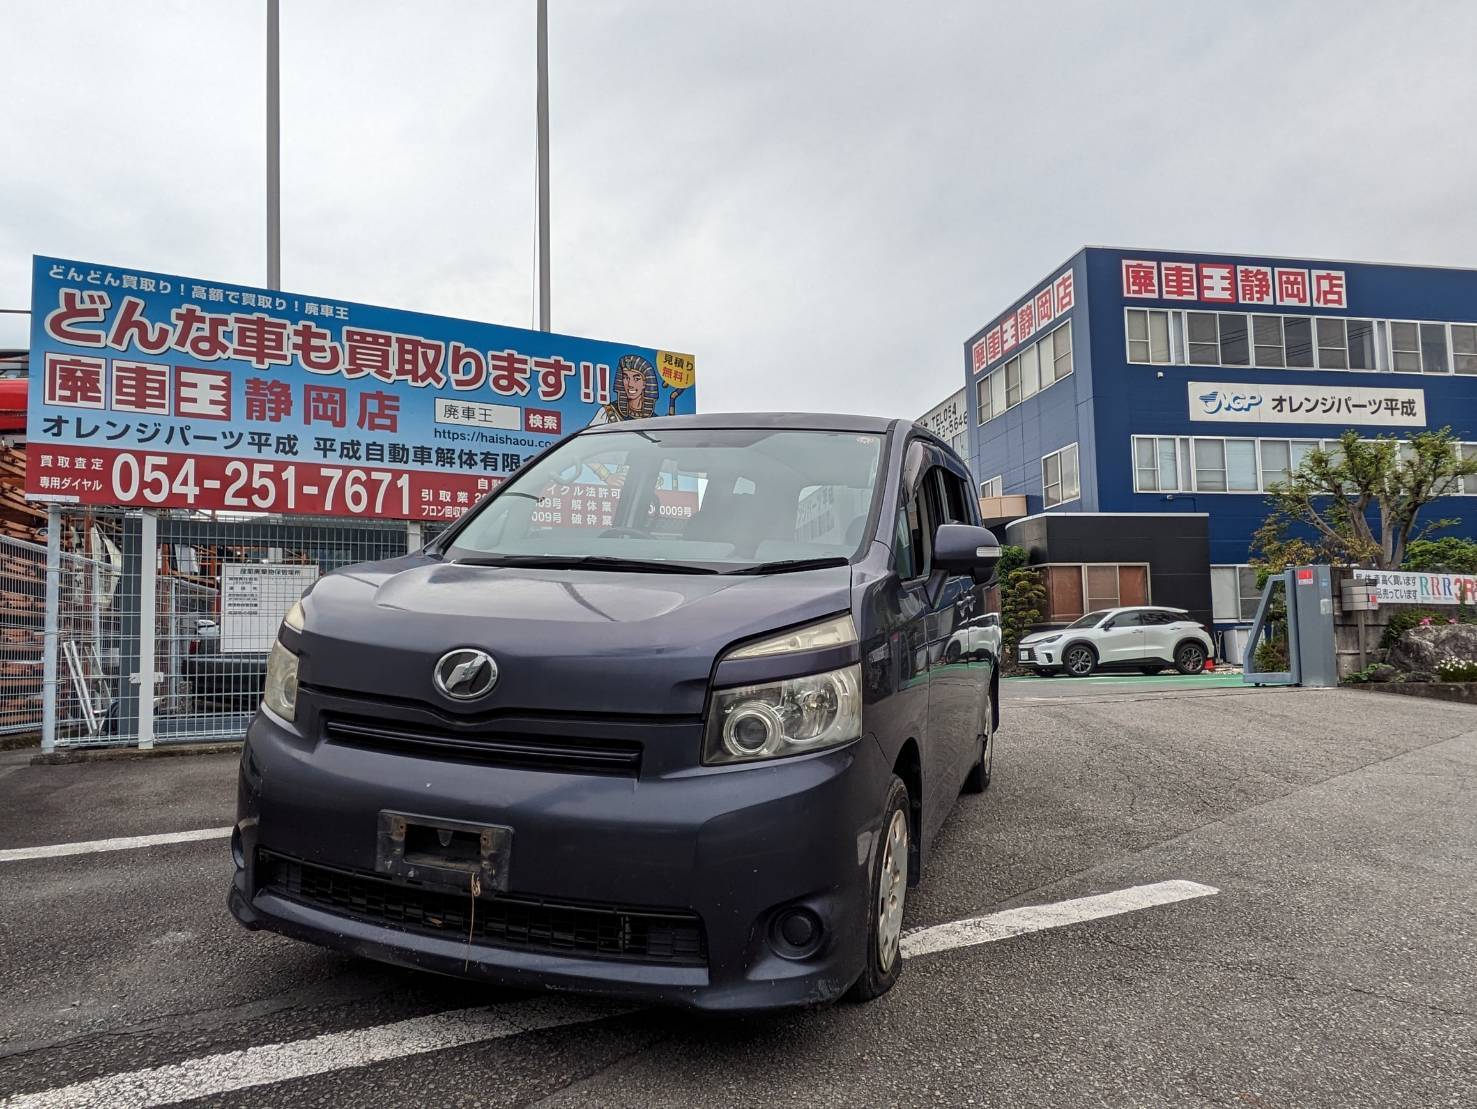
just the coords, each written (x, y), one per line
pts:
(1317, 944)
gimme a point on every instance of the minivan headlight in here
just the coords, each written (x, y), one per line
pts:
(294, 617)
(782, 718)
(280, 694)
(837, 631)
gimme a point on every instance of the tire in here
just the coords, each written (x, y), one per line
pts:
(1189, 657)
(888, 889)
(978, 778)
(1078, 661)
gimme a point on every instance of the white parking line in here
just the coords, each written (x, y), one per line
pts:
(1035, 918)
(359, 1047)
(259, 1066)
(123, 843)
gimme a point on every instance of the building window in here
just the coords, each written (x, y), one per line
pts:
(994, 487)
(1266, 334)
(1061, 354)
(1464, 348)
(1210, 465)
(1405, 347)
(1148, 336)
(1059, 482)
(1298, 331)
(1235, 350)
(1074, 589)
(1064, 593)
(1433, 349)
(1203, 337)
(1161, 464)
(1013, 382)
(1031, 371)
(1333, 351)
(1360, 335)
(1276, 461)
(997, 393)
(982, 399)
(1233, 594)
(1469, 482)
(1241, 471)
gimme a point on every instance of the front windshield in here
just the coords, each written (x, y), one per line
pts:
(1090, 620)
(722, 498)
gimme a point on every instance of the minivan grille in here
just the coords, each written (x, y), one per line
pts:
(668, 936)
(494, 749)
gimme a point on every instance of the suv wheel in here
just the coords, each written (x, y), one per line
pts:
(1079, 661)
(1189, 658)
(885, 899)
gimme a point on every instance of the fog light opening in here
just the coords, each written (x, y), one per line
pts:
(796, 933)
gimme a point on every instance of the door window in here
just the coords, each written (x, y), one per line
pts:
(954, 498)
(1129, 620)
(919, 543)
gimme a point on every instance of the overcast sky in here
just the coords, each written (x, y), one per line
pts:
(819, 200)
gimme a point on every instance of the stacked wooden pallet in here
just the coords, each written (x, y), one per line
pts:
(19, 518)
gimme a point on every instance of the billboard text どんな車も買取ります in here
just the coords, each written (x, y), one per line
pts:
(162, 391)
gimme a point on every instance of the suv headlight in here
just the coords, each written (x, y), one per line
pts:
(280, 694)
(782, 718)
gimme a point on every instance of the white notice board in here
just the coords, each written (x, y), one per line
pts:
(255, 596)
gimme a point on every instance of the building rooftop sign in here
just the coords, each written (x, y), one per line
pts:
(1056, 298)
(161, 391)
(1230, 283)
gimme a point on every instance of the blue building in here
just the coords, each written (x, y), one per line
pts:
(1149, 382)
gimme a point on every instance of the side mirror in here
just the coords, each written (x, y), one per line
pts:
(966, 549)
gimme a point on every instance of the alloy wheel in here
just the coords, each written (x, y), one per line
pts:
(1079, 662)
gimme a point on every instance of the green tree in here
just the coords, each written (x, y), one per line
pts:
(1022, 601)
(1333, 494)
(1448, 555)
(1011, 559)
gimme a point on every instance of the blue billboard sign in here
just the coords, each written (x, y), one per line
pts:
(162, 391)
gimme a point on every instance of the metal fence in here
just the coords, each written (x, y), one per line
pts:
(180, 605)
(84, 616)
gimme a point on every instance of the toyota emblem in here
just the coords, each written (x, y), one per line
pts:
(465, 674)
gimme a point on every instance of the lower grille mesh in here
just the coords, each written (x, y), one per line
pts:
(669, 936)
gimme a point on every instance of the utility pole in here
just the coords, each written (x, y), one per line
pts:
(274, 168)
(543, 164)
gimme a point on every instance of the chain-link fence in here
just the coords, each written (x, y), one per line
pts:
(183, 605)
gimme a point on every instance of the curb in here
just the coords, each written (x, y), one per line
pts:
(130, 754)
(1457, 693)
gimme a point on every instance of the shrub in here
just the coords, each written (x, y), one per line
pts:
(1022, 603)
(1456, 670)
(1271, 656)
(1403, 619)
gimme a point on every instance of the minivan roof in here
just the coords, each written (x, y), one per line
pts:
(801, 421)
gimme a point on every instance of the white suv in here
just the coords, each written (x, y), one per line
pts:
(1141, 638)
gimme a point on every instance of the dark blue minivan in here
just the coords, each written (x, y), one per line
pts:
(672, 715)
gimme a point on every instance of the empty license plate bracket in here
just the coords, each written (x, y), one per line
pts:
(431, 851)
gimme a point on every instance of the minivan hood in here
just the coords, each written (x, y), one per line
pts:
(564, 640)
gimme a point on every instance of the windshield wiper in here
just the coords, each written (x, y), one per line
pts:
(586, 562)
(789, 565)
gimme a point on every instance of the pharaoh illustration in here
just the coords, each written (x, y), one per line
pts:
(636, 389)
